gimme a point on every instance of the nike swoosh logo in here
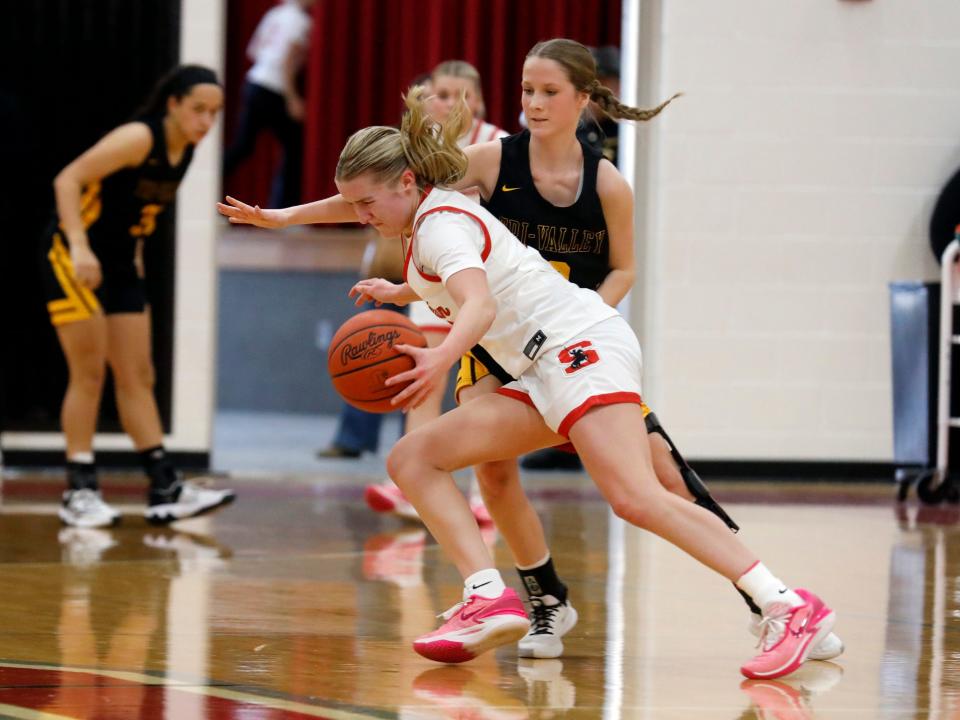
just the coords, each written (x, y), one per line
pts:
(504, 188)
(782, 591)
(474, 587)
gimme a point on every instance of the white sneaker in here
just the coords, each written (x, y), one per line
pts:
(827, 649)
(550, 620)
(184, 499)
(546, 685)
(86, 508)
(83, 546)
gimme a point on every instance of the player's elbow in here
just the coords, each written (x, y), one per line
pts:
(65, 180)
(488, 310)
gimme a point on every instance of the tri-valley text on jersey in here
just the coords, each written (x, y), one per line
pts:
(554, 239)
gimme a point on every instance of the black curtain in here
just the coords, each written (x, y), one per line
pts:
(69, 72)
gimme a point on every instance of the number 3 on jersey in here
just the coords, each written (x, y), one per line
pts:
(578, 356)
(561, 267)
(148, 221)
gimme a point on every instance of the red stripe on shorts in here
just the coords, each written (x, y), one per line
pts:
(516, 395)
(614, 398)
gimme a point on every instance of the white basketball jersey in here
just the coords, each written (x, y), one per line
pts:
(479, 132)
(537, 309)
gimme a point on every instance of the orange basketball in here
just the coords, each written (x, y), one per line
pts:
(362, 357)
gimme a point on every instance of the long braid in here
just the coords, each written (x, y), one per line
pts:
(612, 106)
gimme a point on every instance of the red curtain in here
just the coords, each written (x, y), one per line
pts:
(364, 53)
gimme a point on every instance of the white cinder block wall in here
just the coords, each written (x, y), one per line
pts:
(789, 186)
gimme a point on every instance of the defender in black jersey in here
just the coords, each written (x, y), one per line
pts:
(108, 202)
(573, 238)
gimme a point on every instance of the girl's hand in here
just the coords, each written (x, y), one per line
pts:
(239, 213)
(86, 267)
(432, 364)
(379, 291)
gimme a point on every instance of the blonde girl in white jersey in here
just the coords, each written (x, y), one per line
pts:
(449, 81)
(584, 387)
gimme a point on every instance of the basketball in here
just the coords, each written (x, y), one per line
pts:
(362, 357)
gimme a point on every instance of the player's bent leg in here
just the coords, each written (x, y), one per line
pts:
(619, 461)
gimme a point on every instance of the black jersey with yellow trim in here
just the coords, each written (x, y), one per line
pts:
(572, 238)
(123, 208)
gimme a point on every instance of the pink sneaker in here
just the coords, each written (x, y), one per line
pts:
(474, 626)
(788, 635)
(387, 498)
(775, 699)
(395, 557)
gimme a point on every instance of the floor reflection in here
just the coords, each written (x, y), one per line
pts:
(298, 602)
(920, 668)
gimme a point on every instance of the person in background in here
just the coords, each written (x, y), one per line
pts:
(107, 203)
(271, 98)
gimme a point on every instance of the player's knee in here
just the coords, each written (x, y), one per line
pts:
(89, 376)
(136, 376)
(407, 458)
(637, 507)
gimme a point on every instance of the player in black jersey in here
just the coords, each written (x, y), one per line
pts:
(558, 194)
(107, 203)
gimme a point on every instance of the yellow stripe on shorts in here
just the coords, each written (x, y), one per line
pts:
(79, 302)
(471, 370)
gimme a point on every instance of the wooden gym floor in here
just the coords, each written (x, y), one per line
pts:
(297, 602)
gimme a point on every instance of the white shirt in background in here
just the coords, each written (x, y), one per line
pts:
(281, 28)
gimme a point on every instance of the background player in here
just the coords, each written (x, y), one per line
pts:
(107, 202)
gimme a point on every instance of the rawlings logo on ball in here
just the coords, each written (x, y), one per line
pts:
(363, 354)
(369, 348)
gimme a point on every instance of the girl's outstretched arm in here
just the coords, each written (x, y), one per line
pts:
(333, 209)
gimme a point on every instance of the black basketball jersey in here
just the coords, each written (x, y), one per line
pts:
(573, 238)
(123, 207)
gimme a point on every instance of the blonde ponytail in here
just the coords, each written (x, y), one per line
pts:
(427, 148)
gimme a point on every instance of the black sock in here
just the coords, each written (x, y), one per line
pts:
(749, 600)
(157, 466)
(82, 476)
(543, 580)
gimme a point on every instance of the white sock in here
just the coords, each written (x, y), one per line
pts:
(81, 457)
(485, 583)
(765, 588)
